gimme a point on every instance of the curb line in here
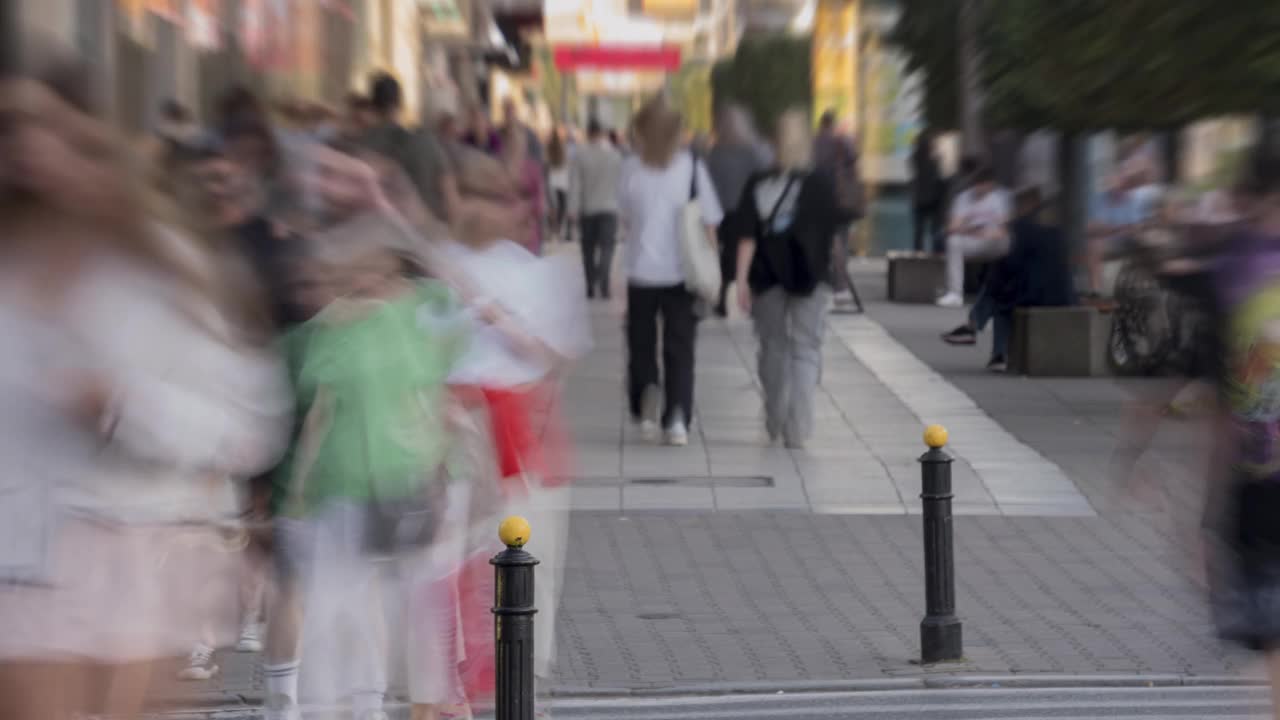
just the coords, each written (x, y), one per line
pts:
(1034, 681)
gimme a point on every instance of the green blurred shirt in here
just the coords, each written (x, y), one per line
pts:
(370, 384)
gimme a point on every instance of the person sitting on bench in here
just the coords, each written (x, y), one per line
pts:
(1035, 273)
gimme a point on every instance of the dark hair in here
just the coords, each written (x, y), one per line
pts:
(828, 120)
(1261, 172)
(384, 93)
(174, 111)
(969, 164)
(239, 106)
(984, 174)
(1028, 200)
(594, 128)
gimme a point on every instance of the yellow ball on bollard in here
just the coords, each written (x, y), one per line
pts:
(514, 531)
(935, 436)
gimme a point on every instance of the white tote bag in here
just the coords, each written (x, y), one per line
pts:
(698, 256)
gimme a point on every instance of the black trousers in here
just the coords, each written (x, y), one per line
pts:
(727, 234)
(932, 218)
(674, 305)
(599, 238)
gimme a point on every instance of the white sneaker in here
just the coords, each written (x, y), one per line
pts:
(200, 665)
(281, 708)
(250, 639)
(677, 434)
(951, 300)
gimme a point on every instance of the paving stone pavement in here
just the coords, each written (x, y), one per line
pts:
(714, 575)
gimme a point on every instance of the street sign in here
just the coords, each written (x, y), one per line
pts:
(617, 57)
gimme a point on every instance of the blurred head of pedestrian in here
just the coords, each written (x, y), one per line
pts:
(386, 97)
(596, 132)
(1027, 203)
(225, 189)
(62, 157)
(969, 165)
(734, 126)
(827, 124)
(924, 143)
(240, 106)
(984, 182)
(793, 146)
(253, 146)
(658, 131)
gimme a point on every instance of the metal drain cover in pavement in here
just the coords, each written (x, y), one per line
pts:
(727, 481)
(677, 481)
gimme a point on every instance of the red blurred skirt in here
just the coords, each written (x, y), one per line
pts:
(530, 456)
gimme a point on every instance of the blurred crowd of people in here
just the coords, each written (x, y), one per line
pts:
(270, 383)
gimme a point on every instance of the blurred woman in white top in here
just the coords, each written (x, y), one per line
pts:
(136, 382)
(655, 185)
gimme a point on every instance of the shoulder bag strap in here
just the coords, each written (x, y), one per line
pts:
(693, 176)
(777, 206)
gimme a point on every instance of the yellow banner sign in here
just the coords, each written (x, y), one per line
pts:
(835, 58)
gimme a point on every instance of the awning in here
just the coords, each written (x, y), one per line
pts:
(617, 57)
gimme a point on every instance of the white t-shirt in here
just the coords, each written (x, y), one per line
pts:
(989, 212)
(650, 201)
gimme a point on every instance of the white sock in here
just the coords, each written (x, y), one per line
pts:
(282, 682)
(366, 702)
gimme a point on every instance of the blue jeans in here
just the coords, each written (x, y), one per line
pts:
(985, 310)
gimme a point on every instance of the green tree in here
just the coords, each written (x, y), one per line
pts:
(1100, 64)
(768, 75)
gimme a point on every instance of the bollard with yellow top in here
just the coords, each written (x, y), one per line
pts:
(940, 631)
(513, 612)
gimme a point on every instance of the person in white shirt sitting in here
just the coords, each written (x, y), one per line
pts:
(978, 228)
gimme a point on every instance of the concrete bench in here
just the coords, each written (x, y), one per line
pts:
(921, 278)
(1059, 342)
(916, 277)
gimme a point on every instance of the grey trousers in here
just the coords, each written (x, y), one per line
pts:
(789, 331)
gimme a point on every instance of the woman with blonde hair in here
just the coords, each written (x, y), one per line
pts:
(789, 216)
(135, 382)
(654, 188)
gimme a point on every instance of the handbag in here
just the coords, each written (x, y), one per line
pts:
(699, 258)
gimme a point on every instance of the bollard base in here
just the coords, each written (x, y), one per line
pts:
(940, 639)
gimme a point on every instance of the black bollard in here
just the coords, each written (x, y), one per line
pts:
(513, 613)
(940, 636)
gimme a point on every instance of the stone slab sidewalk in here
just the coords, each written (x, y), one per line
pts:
(731, 563)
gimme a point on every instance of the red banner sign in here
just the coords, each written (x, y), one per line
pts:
(617, 57)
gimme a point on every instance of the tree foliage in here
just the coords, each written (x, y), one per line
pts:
(1096, 64)
(768, 75)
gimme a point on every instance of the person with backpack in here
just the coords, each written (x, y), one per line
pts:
(836, 156)
(789, 215)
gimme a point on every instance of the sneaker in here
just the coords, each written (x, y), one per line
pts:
(250, 639)
(650, 402)
(677, 433)
(951, 300)
(963, 335)
(280, 707)
(287, 713)
(998, 365)
(200, 665)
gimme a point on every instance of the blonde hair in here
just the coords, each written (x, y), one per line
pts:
(658, 130)
(794, 141)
